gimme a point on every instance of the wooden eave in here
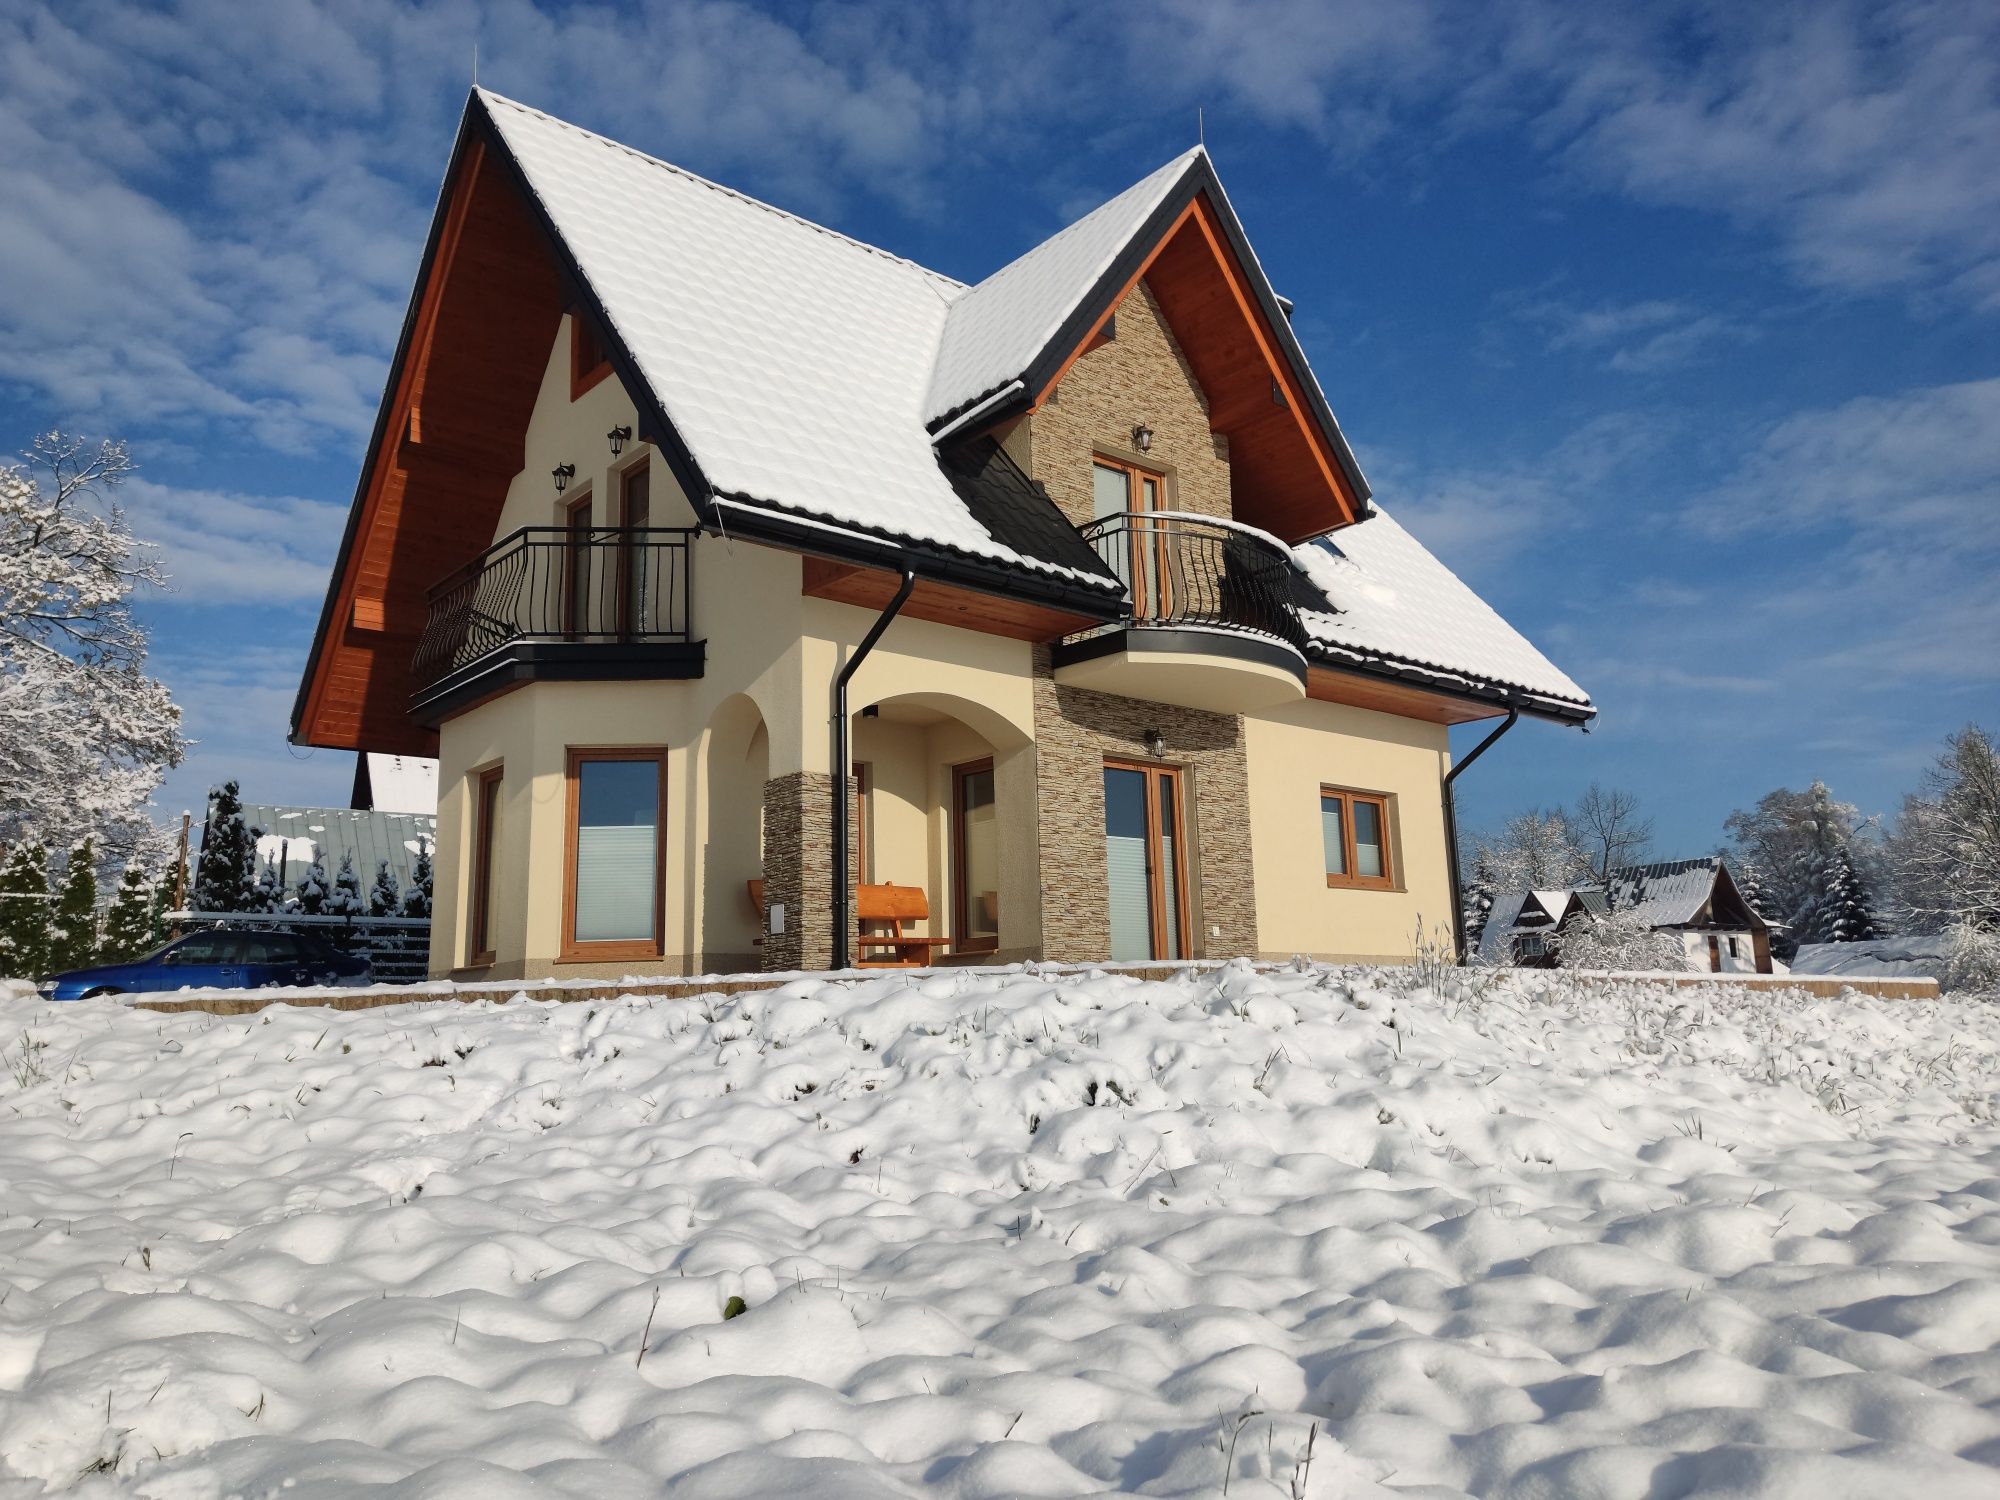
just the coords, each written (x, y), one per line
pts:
(1292, 472)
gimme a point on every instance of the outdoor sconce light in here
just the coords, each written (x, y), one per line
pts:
(618, 437)
(1156, 744)
(563, 474)
(1142, 436)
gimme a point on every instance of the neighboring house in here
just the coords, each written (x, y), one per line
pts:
(657, 461)
(395, 783)
(293, 835)
(1696, 899)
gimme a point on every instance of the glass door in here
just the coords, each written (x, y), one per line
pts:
(1145, 862)
(576, 566)
(1141, 562)
(635, 613)
(976, 857)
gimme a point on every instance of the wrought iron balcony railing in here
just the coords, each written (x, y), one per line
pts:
(1188, 570)
(555, 584)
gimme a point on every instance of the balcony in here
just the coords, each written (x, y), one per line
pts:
(1213, 618)
(560, 604)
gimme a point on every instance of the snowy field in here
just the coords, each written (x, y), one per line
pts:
(1305, 1233)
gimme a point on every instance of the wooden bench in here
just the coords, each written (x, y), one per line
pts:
(879, 905)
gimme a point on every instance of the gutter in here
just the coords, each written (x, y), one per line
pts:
(843, 803)
(1451, 831)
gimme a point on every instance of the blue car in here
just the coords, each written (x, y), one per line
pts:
(216, 961)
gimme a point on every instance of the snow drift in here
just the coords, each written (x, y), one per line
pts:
(1314, 1232)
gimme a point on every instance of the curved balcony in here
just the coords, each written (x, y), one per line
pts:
(1213, 619)
(561, 603)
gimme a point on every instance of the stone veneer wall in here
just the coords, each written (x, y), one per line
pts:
(798, 857)
(1075, 730)
(1140, 376)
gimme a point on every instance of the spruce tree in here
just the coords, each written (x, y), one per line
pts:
(73, 924)
(225, 877)
(1478, 905)
(270, 889)
(24, 911)
(1850, 913)
(313, 888)
(385, 895)
(128, 925)
(172, 885)
(417, 898)
(346, 899)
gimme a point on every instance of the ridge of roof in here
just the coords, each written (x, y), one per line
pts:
(490, 98)
(997, 326)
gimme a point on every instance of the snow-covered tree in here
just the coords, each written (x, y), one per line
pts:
(1850, 913)
(73, 921)
(1971, 960)
(346, 898)
(85, 734)
(24, 911)
(385, 896)
(1478, 904)
(1944, 854)
(270, 894)
(1750, 885)
(172, 886)
(1618, 940)
(128, 924)
(1534, 851)
(313, 887)
(1606, 826)
(225, 877)
(417, 897)
(1793, 838)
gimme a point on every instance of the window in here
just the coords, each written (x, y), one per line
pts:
(1533, 945)
(975, 842)
(485, 835)
(1354, 832)
(576, 565)
(616, 854)
(205, 948)
(1144, 862)
(588, 363)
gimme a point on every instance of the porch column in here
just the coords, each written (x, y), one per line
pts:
(798, 870)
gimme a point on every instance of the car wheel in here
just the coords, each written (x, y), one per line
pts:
(101, 990)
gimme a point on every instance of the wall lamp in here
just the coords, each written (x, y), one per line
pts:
(1142, 438)
(562, 474)
(618, 437)
(1156, 744)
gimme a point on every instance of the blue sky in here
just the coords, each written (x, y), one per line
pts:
(1675, 331)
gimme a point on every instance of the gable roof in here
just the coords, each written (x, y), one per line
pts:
(794, 379)
(1667, 893)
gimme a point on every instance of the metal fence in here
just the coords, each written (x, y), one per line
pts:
(1183, 570)
(398, 947)
(559, 583)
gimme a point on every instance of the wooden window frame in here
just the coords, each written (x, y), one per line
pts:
(1157, 542)
(1156, 884)
(641, 465)
(611, 950)
(582, 336)
(859, 820)
(959, 941)
(486, 782)
(1385, 805)
(575, 602)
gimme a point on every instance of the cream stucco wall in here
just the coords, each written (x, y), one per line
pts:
(1292, 752)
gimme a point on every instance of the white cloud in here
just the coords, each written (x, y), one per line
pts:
(226, 550)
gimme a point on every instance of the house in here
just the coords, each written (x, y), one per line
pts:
(678, 506)
(290, 838)
(1696, 899)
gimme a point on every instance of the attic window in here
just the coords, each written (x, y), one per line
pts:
(588, 361)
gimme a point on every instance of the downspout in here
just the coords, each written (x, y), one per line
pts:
(843, 804)
(1451, 831)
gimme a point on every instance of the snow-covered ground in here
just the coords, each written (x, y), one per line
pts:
(1009, 1235)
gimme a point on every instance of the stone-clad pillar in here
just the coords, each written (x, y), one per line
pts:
(798, 869)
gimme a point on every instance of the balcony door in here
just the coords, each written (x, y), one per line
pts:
(975, 841)
(1141, 560)
(576, 567)
(635, 514)
(1145, 861)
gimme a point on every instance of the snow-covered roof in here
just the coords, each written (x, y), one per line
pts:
(295, 834)
(799, 368)
(1396, 601)
(1665, 894)
(402, 783)
(1496, 944)
(794, 362)
(995, 329)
